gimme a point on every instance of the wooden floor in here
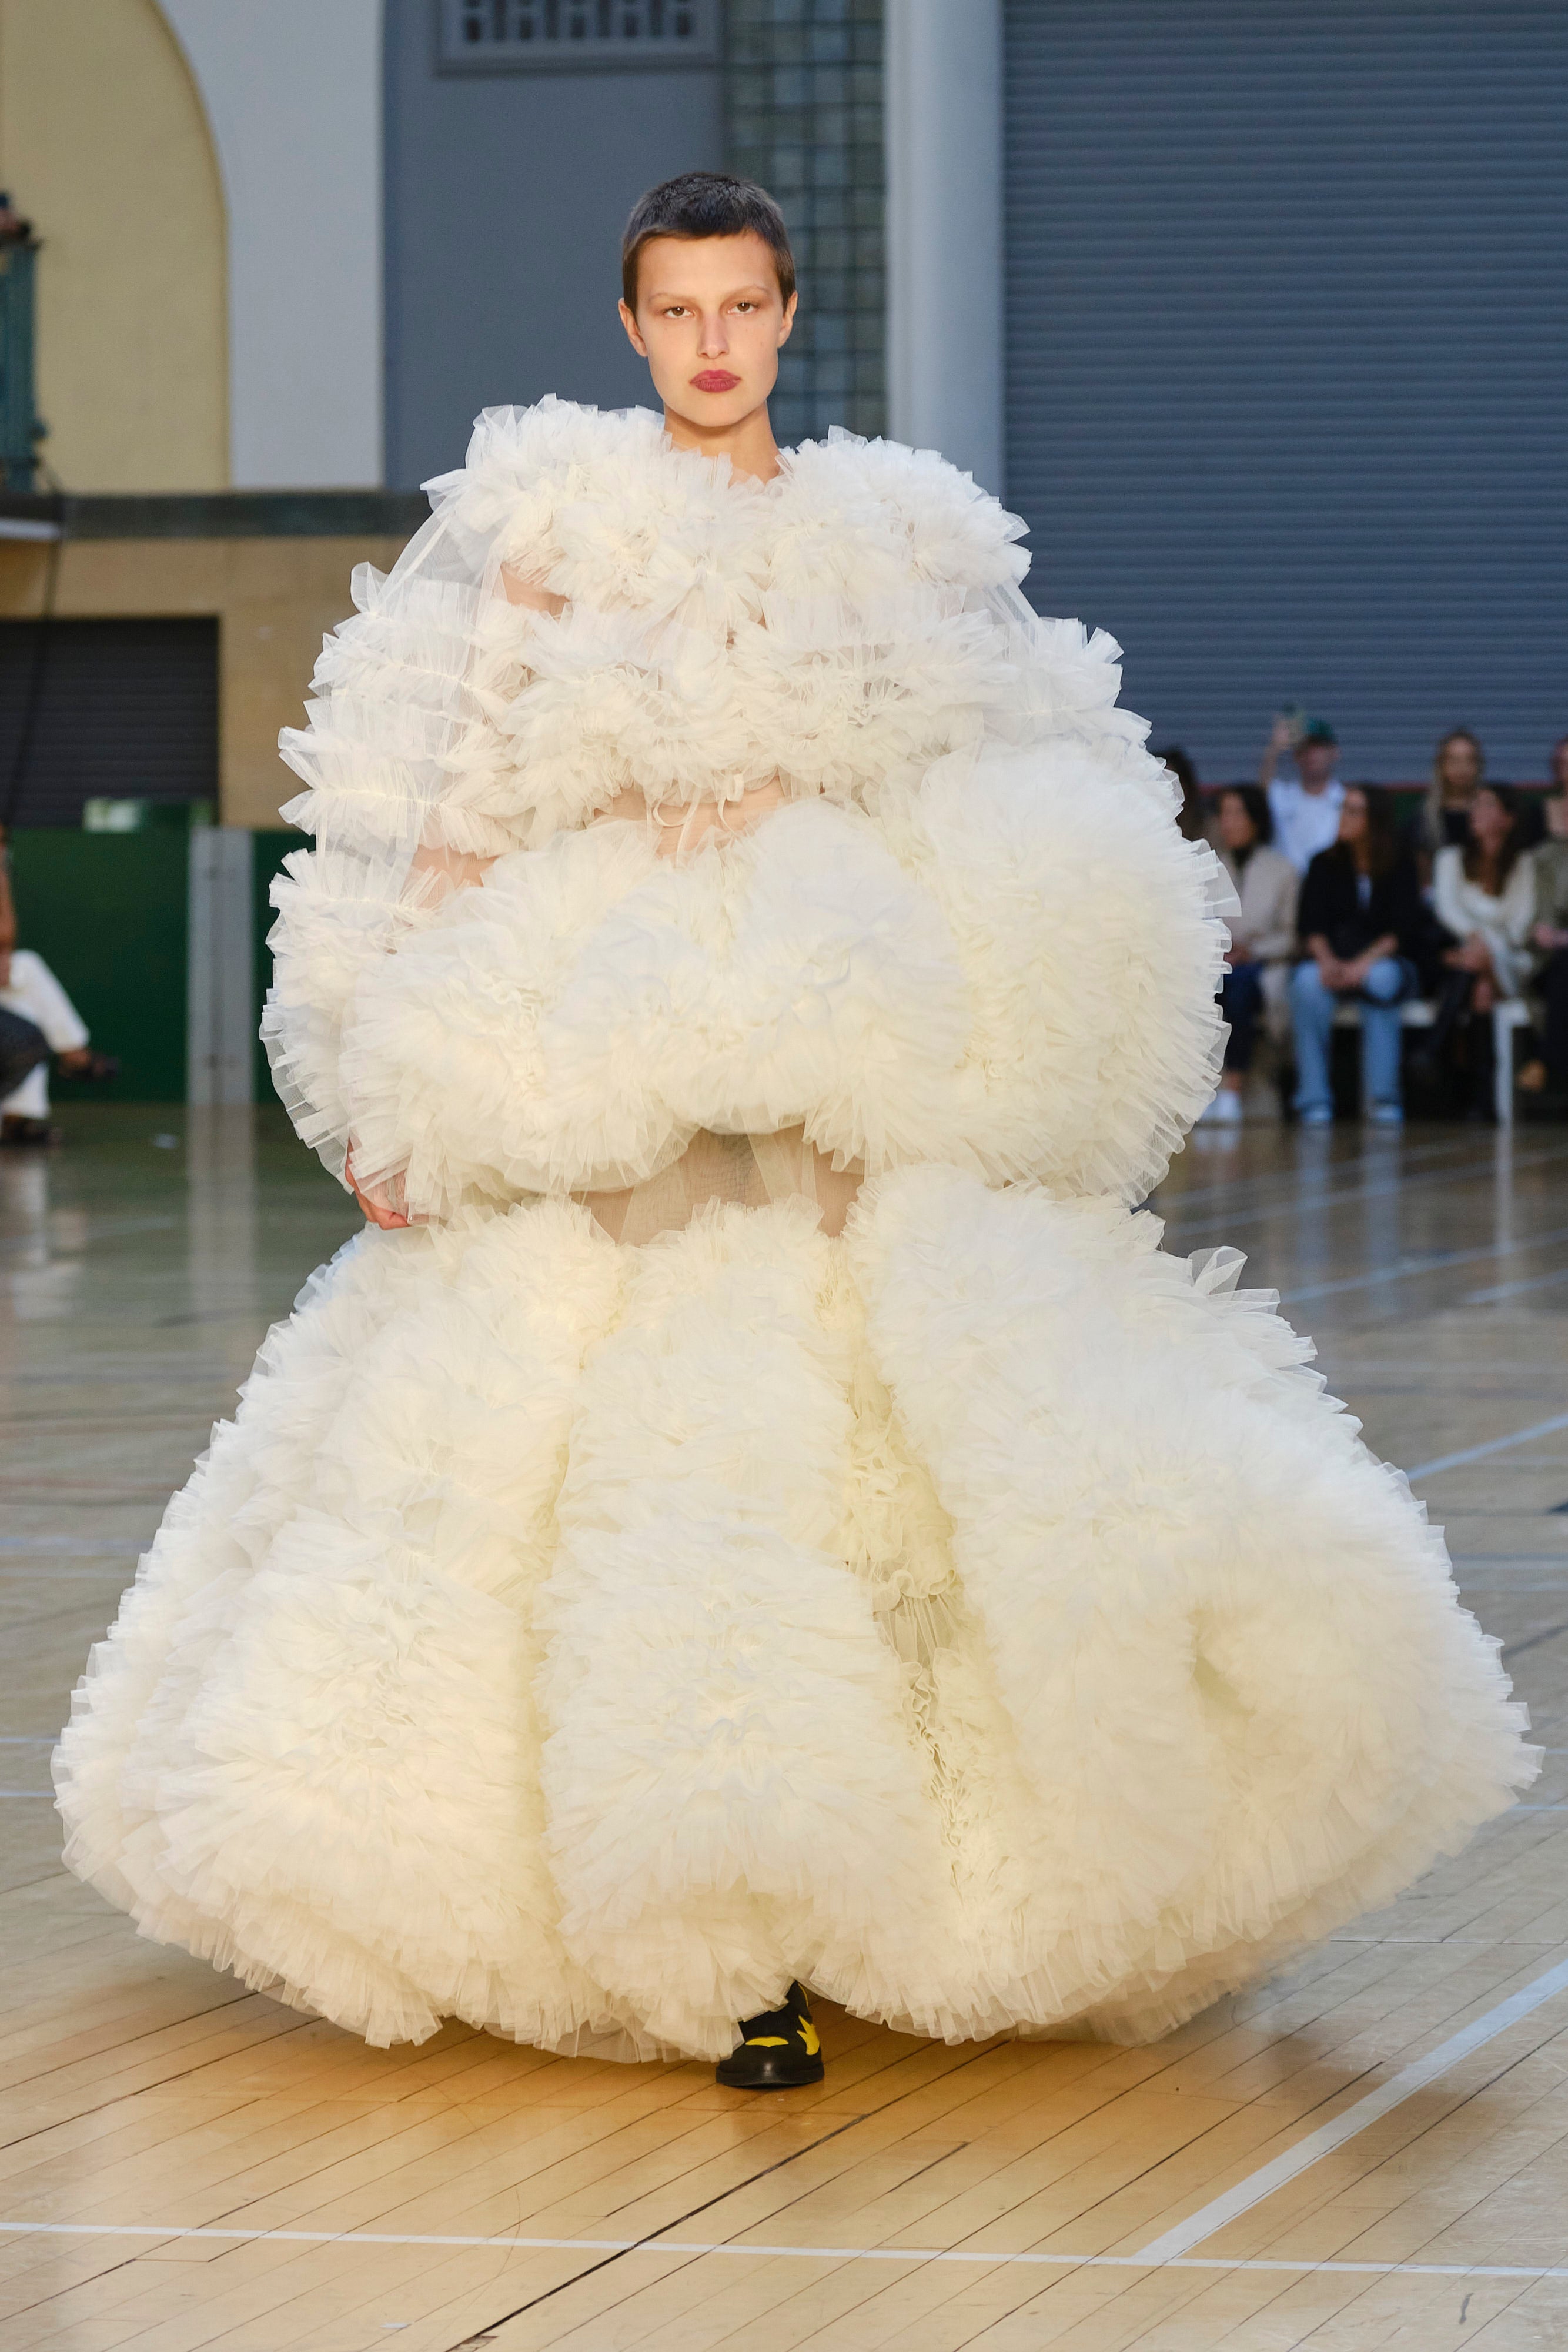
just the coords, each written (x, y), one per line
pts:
(184, 2165)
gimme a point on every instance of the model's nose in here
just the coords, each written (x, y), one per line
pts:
(715, 339)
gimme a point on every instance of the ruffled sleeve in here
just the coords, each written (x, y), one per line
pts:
(411, 779)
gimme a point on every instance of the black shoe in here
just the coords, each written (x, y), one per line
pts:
(778, 2051)
(29, 1133)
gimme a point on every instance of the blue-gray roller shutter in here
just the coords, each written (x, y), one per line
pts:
(1287, 358)
(109, 710)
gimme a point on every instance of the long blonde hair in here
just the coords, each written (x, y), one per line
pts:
(1436, 803)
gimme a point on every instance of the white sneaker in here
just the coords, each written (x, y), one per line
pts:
(1225, 1110)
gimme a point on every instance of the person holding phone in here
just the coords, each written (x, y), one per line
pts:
(1306, 810)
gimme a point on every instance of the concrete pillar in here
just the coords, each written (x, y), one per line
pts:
(220, 1000)
(944, 130)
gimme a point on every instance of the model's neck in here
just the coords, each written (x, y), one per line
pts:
(749, 445)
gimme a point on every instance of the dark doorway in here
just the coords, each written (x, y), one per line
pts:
(106, 709)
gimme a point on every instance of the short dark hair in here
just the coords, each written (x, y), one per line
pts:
(705, 204)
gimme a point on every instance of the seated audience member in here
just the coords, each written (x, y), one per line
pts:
(1484, 894)
(1192, 817)
(1359, 917)
(1458, 766)
(36, 1018)
(1549, 938)
(1263, 935)
(23, 1046)
(1306, 812)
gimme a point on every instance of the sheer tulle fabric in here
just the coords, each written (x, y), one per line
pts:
(594, 624)
(730, 1172)
(771, 1511)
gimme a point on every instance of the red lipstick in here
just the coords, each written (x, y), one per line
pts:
(714, 380)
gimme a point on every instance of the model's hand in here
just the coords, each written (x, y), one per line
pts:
(382, 1204)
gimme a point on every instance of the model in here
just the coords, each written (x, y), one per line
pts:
(759, 1510)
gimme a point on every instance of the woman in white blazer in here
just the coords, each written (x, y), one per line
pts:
(1263, 935)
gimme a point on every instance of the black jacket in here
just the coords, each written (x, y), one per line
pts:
(1330, 906)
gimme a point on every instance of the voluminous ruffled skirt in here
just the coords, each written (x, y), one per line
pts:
(984, 1618)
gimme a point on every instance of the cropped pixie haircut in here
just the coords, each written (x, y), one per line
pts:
(705, 204)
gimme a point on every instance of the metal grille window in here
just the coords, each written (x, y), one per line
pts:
(533, 36)
(805, 119)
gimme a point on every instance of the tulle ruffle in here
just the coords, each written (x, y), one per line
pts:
(984, 1618)
(691, 637)
(965, 969)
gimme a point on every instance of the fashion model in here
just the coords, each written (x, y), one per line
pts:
(756, 1511)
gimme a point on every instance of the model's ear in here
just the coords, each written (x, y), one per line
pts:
(628, 321)
(789, 309)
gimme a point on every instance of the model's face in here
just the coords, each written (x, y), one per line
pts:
(1460, 767)
(1489, 822)
(1315, 763)
(1353, 817)
(1237, 830)
(710, 323)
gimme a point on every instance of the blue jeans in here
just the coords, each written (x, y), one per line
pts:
(1313, 1009)
(1241, 1002)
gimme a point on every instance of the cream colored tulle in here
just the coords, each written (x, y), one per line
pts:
(982, 1617)
(773, 1512)
(694, 641)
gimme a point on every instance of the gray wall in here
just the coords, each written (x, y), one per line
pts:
(1287, 358)
(506, 198)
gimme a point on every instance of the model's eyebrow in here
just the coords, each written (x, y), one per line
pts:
(670, 294)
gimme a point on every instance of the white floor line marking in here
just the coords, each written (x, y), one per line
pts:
(1406, 1269)
(75, 1546)
(351, 2238)
(1514, 1289)
(1304, 1202)
(1368, 2110)
(1492, 1445)
(51, 1575)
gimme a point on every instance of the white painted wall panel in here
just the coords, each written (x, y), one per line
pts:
(293, 93)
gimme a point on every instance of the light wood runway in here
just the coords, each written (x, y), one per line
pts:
(186, 2165)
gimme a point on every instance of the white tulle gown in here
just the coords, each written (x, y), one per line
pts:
(775, 1512)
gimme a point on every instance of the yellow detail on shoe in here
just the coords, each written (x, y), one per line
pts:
(808, 2035)
(767, 2042)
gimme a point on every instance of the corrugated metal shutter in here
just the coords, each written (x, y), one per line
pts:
(1287, 361)
(120, 710)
